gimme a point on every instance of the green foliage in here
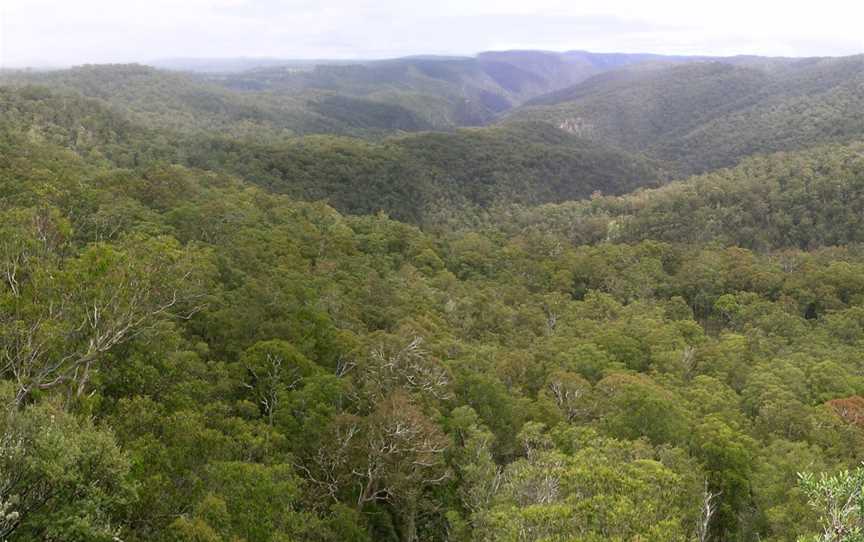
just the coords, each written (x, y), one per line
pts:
(194, 346)
(61, 477)
(366, 99)
(423, 178)
(248, 502)
(705, 115)
(805, 200)
(607, 490)
(839, 500)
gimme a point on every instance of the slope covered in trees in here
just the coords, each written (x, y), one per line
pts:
(196, 346)
(184, 103)
(415, 178)
(362, 99)
(702, 116)
(801, 200)
(443, 91)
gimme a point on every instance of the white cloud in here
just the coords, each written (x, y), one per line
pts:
(66, 32)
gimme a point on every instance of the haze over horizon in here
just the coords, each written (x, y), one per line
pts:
(51, 33)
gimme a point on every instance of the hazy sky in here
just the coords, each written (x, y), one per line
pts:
(62, 32)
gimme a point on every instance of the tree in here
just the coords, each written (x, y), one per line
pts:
(58, 327)
(570, 393)
(849, 409)
(395, 364)
(603, 491)
(273, 369)
(839, 499)
(634, 406)
(478, 475)
(707, 513)
(61, 477)
(727, 456)
(400, 453)
(247, 501)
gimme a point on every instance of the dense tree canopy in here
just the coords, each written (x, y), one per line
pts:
(212, 337)
(701, 116)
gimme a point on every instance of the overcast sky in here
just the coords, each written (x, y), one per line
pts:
(64, 32)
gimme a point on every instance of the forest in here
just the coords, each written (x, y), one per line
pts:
(522, 297)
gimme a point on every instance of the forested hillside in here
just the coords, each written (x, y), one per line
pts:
(215, 327)
(443, 91)
(184, 103)
(802, 200)
(361, 99)
(706, 115)
(417, 178)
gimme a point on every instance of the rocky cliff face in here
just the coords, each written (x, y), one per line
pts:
(577, 126)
